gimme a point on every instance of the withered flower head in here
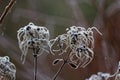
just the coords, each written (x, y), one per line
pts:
(32, 36)
(7, 69)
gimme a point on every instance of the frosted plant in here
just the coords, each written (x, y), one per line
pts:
(77, 43)
(32, 37)
(81, 43)
(7, 69)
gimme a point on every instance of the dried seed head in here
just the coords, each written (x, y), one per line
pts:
(80, 41)
(32, 36)
(82, 44)
(7, 69)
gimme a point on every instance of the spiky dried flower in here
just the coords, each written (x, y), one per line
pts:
(81, 43)
(7, 69)
(32, 36)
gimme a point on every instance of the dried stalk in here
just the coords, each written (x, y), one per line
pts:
(6, 10)
(36, 50)
(61, 67)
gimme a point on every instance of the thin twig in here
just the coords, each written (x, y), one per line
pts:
(61, 67)
(6, 10)
(35, 66)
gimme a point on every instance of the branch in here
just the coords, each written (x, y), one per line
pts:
(6, 10)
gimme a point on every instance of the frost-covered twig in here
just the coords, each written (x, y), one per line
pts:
(7, 69)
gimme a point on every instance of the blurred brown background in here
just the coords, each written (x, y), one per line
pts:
(57, 15)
